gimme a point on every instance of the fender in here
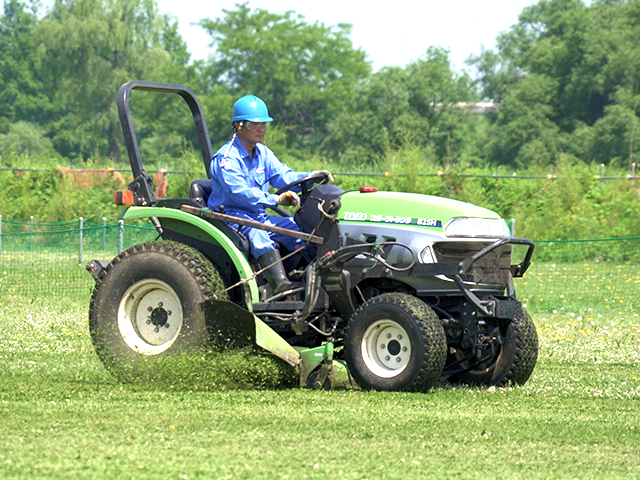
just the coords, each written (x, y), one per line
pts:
(201, 230)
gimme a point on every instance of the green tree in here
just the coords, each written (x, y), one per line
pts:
(558, 75)
(25, 138)
(21, 91)
(88, 49)
(304, 72)
(396, 107)
(524, 133)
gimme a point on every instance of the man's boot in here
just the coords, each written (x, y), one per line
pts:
(276, 275)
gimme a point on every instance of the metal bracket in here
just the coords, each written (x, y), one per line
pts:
(142, 188)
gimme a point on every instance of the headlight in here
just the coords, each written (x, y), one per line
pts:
(477, 227)
(426, 256)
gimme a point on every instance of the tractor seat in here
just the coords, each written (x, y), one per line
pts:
(199, 192)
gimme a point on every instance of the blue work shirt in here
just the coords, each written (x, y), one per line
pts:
(241, 183)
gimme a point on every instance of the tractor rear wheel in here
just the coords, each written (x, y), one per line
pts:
(395, 342)
(150, 303)
(512, 361)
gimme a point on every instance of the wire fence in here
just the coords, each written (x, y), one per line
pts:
(42, 258)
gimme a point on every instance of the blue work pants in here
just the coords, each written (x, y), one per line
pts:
(262, 241)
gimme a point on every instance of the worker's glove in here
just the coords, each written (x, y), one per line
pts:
(326, 173)
(287, 199)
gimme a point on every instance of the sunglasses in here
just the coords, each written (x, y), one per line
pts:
(256, 125)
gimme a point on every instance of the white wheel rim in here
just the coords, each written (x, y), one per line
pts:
(386, 348)
(150, 316)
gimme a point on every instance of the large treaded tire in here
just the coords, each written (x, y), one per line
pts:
(395, 342)
(149, 303)
(514, 362)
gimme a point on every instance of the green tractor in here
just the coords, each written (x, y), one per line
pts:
(395, 291)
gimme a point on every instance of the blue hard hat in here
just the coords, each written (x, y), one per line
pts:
(252, 109)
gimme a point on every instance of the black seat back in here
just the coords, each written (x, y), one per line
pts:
(199, 191)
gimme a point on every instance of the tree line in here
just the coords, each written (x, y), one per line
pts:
(565, 77)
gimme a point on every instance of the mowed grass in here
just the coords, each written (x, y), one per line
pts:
(62, 415)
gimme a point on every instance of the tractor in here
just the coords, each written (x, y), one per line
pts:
(393, 292)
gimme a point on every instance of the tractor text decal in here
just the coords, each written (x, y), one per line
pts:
(363, 217)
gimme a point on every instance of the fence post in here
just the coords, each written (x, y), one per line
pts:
(120, 236)
(601, 174)
(81, 222)
(31, 233)
(104, 234)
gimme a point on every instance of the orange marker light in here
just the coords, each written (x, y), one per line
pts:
(123, 197)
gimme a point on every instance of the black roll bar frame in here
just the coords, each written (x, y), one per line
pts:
(141, 185)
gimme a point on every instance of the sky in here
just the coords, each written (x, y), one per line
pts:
(392, 34)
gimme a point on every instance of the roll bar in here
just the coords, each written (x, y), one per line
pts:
(141, 185)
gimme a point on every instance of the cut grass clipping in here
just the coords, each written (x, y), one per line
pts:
(218, 371)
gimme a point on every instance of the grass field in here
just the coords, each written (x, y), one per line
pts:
(63, 416)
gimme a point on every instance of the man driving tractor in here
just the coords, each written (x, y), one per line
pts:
(242, 171)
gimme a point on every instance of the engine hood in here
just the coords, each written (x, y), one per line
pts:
(412, 209)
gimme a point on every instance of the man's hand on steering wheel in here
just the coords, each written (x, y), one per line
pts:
(326, 173)
(318, 176)
(288, 199)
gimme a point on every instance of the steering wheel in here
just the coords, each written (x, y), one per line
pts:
(318, 178)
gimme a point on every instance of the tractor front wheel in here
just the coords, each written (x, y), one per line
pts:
(395, 342)
(512, 361)
(150, 303)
